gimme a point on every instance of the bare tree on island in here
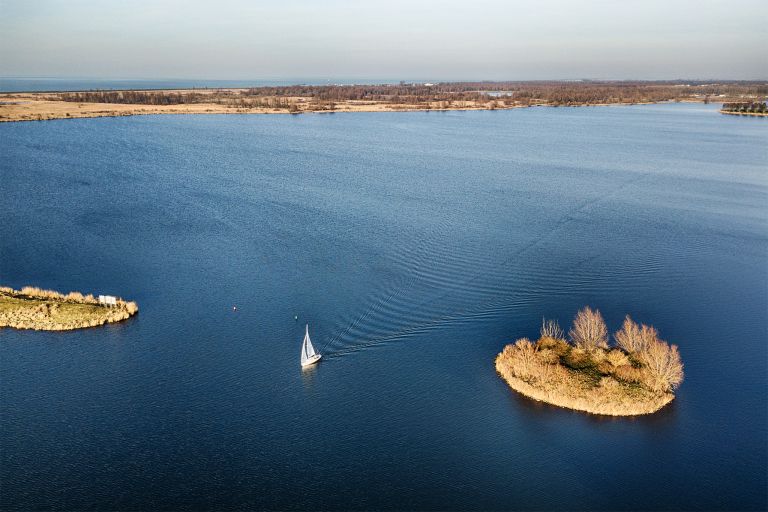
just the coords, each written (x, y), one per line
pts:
(663, 361)
(589, 330)
(551, 329)
(633, 337)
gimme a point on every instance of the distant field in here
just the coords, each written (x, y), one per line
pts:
(298, 99)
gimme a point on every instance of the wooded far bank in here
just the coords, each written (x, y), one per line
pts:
(386, 97)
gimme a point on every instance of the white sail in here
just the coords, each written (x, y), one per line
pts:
(308, 354)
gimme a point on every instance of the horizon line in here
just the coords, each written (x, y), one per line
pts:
(302, 80)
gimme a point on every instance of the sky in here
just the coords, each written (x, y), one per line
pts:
(385, 39)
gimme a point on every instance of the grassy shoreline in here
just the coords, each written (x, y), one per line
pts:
(40, 110)
(754, 114)
(47, 310)
(593, 403)
(23, 108)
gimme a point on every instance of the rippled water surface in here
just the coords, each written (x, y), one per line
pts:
(416, 245)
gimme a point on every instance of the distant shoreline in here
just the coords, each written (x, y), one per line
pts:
(753, 114)
(320, 99)
(21, 107)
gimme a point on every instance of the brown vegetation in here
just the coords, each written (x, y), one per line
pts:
(550, 329)
(664, 365)
(634, 338)
(47, 310)
(297, 99)
(753, 108)
(589, 330)
(491, 94)
(636, 377)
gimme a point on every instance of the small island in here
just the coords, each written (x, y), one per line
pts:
(47, 310)
(636, 376)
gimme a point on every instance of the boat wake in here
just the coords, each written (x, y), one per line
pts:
(441, 284)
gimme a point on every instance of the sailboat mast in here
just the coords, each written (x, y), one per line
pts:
(308, 354)
(310, 350)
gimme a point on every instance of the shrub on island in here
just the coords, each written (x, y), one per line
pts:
(636, 376)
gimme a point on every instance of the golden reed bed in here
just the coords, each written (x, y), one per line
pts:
(637, 376)
(47, 310)
(45, 107)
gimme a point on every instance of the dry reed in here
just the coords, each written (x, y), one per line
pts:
(551, 329)
(38, 309)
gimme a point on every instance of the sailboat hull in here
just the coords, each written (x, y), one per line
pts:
(312, 360)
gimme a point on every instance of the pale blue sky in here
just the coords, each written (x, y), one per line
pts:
(393, 39)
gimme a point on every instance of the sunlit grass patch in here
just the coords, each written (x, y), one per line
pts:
(33, 308)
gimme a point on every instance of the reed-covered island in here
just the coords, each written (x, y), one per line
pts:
(47, 310)
(638, 375)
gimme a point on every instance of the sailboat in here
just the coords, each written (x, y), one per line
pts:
(308, 354)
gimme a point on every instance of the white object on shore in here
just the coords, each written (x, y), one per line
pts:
(108, 300)
(308, 354)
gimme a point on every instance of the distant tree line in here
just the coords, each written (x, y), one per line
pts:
(439, 95)
(134, 97)
(755, 107)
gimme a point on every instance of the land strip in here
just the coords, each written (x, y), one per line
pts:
(297, 99)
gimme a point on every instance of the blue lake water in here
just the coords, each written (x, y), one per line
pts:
(416, 245)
